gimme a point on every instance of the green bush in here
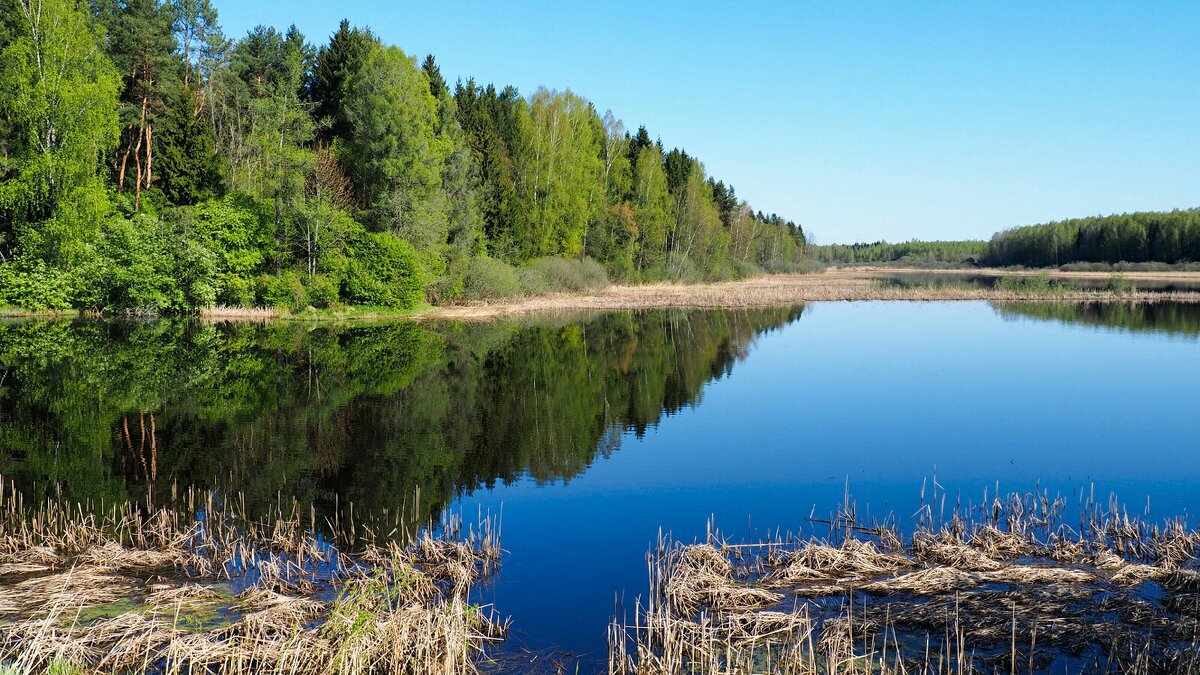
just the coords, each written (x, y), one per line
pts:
(34, 285)
(322, 291)
(284, 290)
(451, 285)
(235, 290)
(745, 270)
(490, 279)
(236, 229)
(554, 274)
(383, 270)
(135, 268)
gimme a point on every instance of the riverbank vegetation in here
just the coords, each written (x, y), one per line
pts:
(196, 585)
(1003, 586)
(152, 164)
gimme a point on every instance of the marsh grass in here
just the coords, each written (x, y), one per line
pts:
(204, 587)
(1011, 588)
(793, 289)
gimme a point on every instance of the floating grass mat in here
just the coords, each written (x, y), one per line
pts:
(203, 588)
(1009, 589)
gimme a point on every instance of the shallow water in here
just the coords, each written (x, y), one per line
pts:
(591, 434)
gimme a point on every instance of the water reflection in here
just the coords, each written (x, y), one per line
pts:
(377, 415)
(1171, 318)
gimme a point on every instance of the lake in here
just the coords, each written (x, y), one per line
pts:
(591, 434)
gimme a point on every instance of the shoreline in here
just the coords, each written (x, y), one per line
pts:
(835, 285)
(844, 284)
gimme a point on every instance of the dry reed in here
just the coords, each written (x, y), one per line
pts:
(129, 588)
(1010, 586)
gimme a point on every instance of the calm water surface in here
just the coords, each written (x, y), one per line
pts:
(592, 434)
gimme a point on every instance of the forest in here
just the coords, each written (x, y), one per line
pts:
(915, 252)
(1168, 238)
(149, 163)
(1164, 237)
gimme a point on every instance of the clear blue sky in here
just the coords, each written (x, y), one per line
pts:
(860, 121)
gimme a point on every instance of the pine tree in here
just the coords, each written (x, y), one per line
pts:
(142, 46)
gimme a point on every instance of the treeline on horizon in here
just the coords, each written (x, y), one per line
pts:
(1169, 238)
(149, 163)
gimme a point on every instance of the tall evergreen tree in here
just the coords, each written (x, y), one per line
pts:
(189, 167)
(336, 62)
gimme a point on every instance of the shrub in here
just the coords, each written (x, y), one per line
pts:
(384, 270)
(284, 290)
(490, 279)
(744, 270)
(451, 285)
(548, 275)
(134, 269)
(34, 285)
(235, 290)
(322, 291)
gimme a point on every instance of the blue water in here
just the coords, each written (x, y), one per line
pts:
(592, 435)
(875, 398)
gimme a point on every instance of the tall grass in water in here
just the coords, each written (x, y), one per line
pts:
(1010, 589)
(207, 588)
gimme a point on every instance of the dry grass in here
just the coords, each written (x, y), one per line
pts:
(1013, 589)
(130, 588)
(780, 290)
(239, 313)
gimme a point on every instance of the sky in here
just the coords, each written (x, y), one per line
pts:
(860, 121)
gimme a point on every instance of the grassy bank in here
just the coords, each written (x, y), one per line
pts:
(832, 285)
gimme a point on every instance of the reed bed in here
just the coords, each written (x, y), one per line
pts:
(788, 289)
(204, 587)
(1006, 587)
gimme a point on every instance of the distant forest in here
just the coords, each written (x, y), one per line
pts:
(1130, 237)
(919, 253)
(149, 163)
(1170, 238)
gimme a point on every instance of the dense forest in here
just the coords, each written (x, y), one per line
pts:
(1170, 238)
(149, 163)
(1163, 237)
(920, 253)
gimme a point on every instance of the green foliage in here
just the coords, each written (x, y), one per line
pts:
(395, 155)
(31, 284)
(562, 172)
(188, 166)
(252, 172)
(555, 274)
(58, 100)
(1172, 237)
(491, 279)
(239, 233)
(336, 63)
(384, 270)
(654, 212)
(919, 253)
(146, 265)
